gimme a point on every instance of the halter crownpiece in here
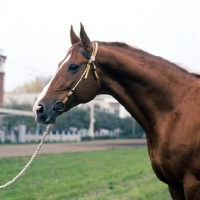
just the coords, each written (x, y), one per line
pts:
(60, 105)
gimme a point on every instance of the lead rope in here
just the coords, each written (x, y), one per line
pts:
(30, 161)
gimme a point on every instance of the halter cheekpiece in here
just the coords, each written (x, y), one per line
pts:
(60, 105)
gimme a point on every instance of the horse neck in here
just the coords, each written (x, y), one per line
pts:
(147, 86)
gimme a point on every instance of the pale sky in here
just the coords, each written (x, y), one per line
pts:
(34, 34)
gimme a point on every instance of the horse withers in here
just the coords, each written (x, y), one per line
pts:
(161, 96)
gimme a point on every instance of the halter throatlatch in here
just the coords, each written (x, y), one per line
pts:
(60, 105)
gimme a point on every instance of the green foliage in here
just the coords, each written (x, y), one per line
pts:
(12, 121)
(34, 86)
(76, 117)
(97, 175)
(17, 106)
(106, 121)
(127, 126)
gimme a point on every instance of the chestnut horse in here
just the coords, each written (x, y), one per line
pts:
(161, 96)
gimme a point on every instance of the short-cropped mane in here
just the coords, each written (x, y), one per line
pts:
(116, 44)
(123, 45)
(129, 47)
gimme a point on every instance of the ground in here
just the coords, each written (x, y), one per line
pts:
(29, 149)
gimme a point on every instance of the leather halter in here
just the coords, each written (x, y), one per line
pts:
(60, 105)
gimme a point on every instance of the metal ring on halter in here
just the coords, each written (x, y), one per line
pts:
(59, 106)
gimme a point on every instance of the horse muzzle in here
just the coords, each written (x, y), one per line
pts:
(45, 116)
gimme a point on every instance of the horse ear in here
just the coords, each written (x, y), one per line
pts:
(87, 44)
(74, 38)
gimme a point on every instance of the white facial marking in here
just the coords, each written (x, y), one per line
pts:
(44, 91)
(41, 95)
(64, 61)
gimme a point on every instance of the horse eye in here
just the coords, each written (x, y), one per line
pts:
(73, 68)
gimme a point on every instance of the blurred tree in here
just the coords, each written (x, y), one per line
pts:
(76, 117)
(17, 106)
(106, 121)
(34, 86)
(12, 120)
(126, 126)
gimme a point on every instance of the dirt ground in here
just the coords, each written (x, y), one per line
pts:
(29, 149)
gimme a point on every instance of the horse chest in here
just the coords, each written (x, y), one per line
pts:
(167, 170)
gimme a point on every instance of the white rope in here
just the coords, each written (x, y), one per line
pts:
(30, 161)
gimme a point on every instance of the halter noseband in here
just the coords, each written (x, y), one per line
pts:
(60, 105)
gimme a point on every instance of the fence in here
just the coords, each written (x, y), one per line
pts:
(65, 136)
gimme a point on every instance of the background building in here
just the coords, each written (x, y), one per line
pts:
(2, 73)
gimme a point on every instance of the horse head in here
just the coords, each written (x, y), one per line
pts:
(74, 82)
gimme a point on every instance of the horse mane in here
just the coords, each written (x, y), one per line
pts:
(196, 75)
(130, 47)
(115, 44)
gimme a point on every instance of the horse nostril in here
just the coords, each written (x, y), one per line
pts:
(40, 110)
